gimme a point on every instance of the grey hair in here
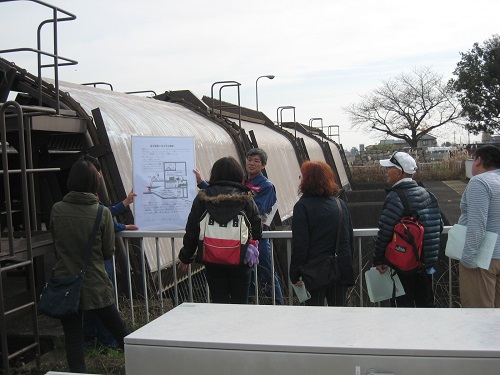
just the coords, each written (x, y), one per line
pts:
(260, 153)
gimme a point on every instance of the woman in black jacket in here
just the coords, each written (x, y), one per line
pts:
(314, 232)
(223, 199)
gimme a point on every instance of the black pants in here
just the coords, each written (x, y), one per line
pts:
(334, 294)
(418, 291)
(228, 284)
(73, 334)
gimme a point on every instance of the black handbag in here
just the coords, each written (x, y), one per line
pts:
(61, 295)
(322, 272)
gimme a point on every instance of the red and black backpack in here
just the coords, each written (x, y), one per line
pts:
(404, 252)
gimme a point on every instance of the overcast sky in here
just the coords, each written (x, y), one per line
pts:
(324, 53)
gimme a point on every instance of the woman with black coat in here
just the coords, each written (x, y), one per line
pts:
(314, 232)
(223, 199)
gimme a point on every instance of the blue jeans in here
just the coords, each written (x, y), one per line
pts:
(110, 267)
(94, 329)
(265, 274)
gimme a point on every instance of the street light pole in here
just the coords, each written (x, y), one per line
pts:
(270, 76)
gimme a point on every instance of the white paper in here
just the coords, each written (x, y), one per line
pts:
(163, 180)
(301, 292)
(456, 243)
(380, 285)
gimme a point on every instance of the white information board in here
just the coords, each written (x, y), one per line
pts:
(163, 181)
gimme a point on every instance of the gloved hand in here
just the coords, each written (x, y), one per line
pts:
(254, 242)
(252, 255)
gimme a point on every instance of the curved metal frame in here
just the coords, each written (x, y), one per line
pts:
(329, 127)
(227, 84)
(279, 116)
(141, 92)
(54, 55)
(98, 83)
(315, 119)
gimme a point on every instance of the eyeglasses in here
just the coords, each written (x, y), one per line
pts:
(254, 160)
(393, 160)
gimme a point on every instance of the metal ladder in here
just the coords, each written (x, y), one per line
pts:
(27, 185)
(13, 260)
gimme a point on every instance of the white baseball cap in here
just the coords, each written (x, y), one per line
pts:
(402, 161)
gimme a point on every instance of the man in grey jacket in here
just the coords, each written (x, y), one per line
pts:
(418, 285)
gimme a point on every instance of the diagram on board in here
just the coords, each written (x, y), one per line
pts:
(163, 180)
(171, 182)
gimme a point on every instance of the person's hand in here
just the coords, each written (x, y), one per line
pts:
(298, 283)
(199, 177)
(254, 243)
(129, 199)
(251, 256)
(131, 227)
(382, 268)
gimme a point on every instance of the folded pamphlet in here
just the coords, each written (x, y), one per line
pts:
(301, 292)
(456, 243)
(380, 286)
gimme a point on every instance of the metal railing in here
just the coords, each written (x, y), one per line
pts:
(359, 288)
(57, 59)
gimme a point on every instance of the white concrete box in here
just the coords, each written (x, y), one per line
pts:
(299, 340)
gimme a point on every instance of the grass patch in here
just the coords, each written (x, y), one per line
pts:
(99, 360)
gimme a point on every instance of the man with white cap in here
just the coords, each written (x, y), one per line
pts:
(418, 286)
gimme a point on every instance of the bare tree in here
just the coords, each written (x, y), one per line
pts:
(407, 107)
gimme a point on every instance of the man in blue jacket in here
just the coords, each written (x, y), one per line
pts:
(418, 286)
(265, 198)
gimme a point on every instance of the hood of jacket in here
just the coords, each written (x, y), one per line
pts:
(403, 185)
(224, 199)
(78, 197)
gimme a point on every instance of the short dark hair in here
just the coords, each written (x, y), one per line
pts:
(260, 153)
(490, 156)
(83, 177)
(317, 179)
(93, 160)
(226, 169)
